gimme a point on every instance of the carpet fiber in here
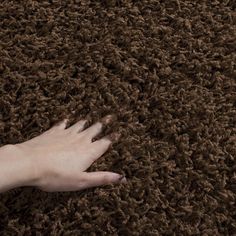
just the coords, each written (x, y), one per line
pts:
(167, 70)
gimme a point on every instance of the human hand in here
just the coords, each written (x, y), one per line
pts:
(61, 155)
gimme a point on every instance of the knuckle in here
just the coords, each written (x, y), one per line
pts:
(9, 147)
(82, 184)
(82, 179)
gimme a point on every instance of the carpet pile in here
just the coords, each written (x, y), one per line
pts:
(167, 70)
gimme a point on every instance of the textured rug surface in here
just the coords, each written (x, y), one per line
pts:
(167, 70)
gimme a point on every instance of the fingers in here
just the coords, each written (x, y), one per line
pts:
(97, 149)
(77, 127)
(60, 125)
(102, 145)
(93, 130)
(90, 132)
(96, 128)
(93, 179)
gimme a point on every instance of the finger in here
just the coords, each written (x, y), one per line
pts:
(96, 128)
(98, 178)
(60, 125)
(77, 127)
(101, 146)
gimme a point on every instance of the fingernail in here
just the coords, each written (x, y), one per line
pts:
(115, 136)
(122, 179)
(108, 119)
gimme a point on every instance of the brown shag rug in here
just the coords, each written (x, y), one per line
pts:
(167, 69)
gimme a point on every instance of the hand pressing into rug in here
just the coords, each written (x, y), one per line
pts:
(57, 159)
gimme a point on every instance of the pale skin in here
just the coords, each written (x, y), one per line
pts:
(57, 159)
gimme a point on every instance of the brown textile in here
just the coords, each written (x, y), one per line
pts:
(167, 70)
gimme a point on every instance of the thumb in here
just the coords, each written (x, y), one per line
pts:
(98, 178)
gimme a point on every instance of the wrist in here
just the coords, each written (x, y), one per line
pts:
(32, 170)
(18, 169)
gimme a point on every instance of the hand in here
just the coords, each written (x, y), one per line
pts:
(60, 157)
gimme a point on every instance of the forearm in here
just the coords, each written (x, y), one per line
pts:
(15, 170)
